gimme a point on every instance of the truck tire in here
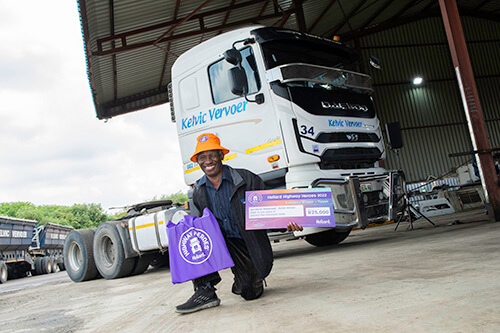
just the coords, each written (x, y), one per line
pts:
(4, 273)
(17, 271)
(78, 255)
(53, 264)
(327, 238)
(160, 260)
(61, 266)
(38, 266)
(46, 265)
(141, 264)
(109, 254)
(11, 273)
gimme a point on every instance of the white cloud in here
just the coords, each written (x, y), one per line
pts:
(53, 150)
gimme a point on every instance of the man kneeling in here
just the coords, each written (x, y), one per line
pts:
(222, 189)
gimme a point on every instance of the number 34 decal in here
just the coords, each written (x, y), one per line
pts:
(304, 130)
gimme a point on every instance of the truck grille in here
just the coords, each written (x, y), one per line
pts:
(350, 158)
(347, 137)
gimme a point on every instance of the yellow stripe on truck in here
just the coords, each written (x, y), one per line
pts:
(192, 169)
(145, 225)
(263, 146)
(227, 158)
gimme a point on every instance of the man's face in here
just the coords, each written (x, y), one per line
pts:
(210, 162)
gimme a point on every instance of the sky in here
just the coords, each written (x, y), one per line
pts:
(53, 149)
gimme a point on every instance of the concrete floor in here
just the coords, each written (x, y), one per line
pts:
(431, 279)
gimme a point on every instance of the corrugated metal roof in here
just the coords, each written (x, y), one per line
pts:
(125, 68)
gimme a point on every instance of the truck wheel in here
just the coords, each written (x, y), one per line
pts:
(46, 265)
(141, 264)
(38, 266)
(109, 255)
(160, 260)
(78, 255)
(11, 273)
(3, 272)
(327, 238)
(53, 264)
(61, 266)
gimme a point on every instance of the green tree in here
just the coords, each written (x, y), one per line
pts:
(78, 216)
(88, 215)
(178, 197)
(11, 209)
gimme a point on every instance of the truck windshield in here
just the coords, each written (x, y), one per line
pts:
(281, 52)
(313, 76)
(311, 65)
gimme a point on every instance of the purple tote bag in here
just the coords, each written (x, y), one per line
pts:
(196, 247)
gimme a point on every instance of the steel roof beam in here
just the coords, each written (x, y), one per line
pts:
(388, 25)
(320, 17)
(188, 34)
(299, 14)
(478, 14)
(424, 13)
(123, 36)
(226, 17)
(105, 110)
(177, 24)
(286, 16)
(334, 31)
(377, 14)
(405, 9)
(263, 9)
(481, 5)
(169, 45)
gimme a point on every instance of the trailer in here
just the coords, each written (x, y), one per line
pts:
(291, 108)
(48, 241)
(28, 248)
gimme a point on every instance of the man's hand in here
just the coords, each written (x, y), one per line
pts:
(292, 226)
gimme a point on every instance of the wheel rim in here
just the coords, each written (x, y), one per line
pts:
(75, 258)
(53, 263)
(108, 251)
(3, 272)
(48, 265)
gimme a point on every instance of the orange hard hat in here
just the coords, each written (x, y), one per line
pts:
(205, 142)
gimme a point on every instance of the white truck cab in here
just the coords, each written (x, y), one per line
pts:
(289, 107)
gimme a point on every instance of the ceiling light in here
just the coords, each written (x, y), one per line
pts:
(418, 80)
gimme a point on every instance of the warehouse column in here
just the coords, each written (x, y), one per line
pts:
(470, 99)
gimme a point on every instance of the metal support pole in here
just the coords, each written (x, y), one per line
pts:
(299, 14)
(470, 99)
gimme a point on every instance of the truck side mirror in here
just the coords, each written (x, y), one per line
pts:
(238, 81)
(233, 56)
(375, 62)
(394, 137)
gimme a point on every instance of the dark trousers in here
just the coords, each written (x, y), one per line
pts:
(246, 282)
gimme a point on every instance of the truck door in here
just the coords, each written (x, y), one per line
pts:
(249, 130)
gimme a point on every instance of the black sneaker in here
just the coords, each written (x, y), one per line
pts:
(236, 288)
(203, 298)
(254, 293)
